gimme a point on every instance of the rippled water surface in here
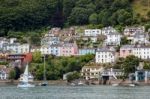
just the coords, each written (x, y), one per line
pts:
(75, 92)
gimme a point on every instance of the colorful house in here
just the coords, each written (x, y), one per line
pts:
(85, 51)
(126, 50)
(68, 49)
(55, 49)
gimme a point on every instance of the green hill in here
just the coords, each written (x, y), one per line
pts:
(141, 7)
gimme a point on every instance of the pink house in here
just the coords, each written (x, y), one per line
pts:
(68, 49)
(126, 50)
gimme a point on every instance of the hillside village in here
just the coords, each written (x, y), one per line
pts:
(107, 44)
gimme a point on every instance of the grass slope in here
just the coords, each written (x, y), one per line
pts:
(141, 7)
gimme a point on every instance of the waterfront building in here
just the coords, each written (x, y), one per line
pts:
(85, 51)
(142, 75)
(19, 59)
(91, 72)
(4, 72)
(92, 32)
(105, 55)
(111, 73)
(3, 75)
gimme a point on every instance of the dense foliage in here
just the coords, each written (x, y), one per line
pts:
(128, 64)
(30, 14)
(57, 66)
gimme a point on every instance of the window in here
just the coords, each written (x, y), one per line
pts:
(123, 51)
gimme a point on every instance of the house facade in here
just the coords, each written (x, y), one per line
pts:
(85, 51)
(107, 30)
(140, 38)
(126, 50)
(130, 31)
(50, 39)
(141, 51)
(45, 50)
(105, 55)
(92, 32)
(18, 48)
(55, 49)
(91, 72)
(113, 38)
(68, 49)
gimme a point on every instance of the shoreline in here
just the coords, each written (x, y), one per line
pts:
(63, 82)
(50, 82)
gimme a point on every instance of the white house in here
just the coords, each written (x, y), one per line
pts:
(17, 48)
(50, 39)
(91, 72)
(140, 38)
(105, 55)
(113, 38)
(107, 30)
(92, 32)
(141, 51)
(34, 49)
(45, 50)
(130, 31)
(112, 73)
(3, 75)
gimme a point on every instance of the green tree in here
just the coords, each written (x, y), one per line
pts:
(93, 19)
(12, 75)
(124, 41)
(130, 64)
(73, 76)
(146, 65)
(124, 17)
(118, 64)
(37, 57)
(148, 14)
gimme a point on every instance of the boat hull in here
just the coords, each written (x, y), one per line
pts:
(25, 85)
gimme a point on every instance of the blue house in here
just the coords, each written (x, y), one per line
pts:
(142, 75)
(85, 51)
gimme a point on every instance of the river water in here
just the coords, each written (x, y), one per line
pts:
(75, 92)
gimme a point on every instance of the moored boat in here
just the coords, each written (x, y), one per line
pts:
(24, 83)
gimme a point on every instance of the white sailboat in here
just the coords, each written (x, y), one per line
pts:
(25, 79)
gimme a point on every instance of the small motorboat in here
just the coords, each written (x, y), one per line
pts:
(80, 83)
(43, 84)
(132, 85)
(115, 85)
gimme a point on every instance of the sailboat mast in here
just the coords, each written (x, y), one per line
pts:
(44, 70)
